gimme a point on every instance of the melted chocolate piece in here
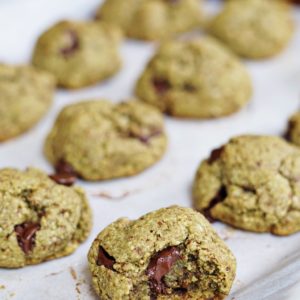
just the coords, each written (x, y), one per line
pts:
(215, 155)
(161, 264)
(104, 259)
(26, 235)
(145, 138)
(62, 167)
(161, 86)
(64, 179)
(73, 44)
(220, 197)
(290, 128)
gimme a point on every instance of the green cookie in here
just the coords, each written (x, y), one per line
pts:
(78, 54)
(252, 183)
(171, 253)
(101, 140)
(25, 96)
(39, 219)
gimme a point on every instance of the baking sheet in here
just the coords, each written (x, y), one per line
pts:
(268, 266)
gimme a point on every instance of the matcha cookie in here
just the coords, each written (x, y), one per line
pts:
(39, 219)
(152, 19)
(254, 28)
(25, 96)
(171, 253)
(252, 183)
(100, 140)
(78, 54)
(196, 79)
(293, 130)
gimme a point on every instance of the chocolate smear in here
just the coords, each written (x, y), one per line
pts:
(161, 264)
(104, 259)
(73, 44)
(26, 235)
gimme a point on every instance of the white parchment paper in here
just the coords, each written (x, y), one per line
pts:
(268, 266)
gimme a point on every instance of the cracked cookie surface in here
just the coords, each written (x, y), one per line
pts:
(251, 183)
(254, 28)
(171, 253)
(101, 140)
(25, 96)
(293, 129)
(39, 219)
(197, 79)
(79, 54)
(152, 19)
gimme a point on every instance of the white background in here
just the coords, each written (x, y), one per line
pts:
(268, 266)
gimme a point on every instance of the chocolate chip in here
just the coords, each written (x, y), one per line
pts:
(146, 138)
(104, 259)
(215, 155)
(73, 44)
(220, 197)
(161, 264)
(64, 179)
(161, 86)
(288, 134)
(62, 167)
(26, 235)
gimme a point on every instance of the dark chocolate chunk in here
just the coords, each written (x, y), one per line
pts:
(73, 44)
(64, 179)
(220, 197)
(215, 155)
(62, 167)
(161, 264)
(26, 235)
(161, 86)
(288, 134)
(104, 259)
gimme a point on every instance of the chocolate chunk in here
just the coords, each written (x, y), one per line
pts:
(64, 179)
(161, 86)
(62, 167)
(146, 138)
(161, 264)
(288, 134)
(104, 259)
(220, 197)
(73, 44)
(26, 235)
(215, 155)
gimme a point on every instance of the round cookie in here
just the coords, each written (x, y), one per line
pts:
(100, 140)
(254, 28)
(39, 219)
(152, 19)
(293, 131)
(171, 253)
(195, 79)
(25, 96)
(251, 183)
(78, 54)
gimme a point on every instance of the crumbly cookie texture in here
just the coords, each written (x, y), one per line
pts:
(251, 183)
(254, 28)
(293, 129)
(197, 79)
(25, 96)
(39, 219)
(152, 19)
(79, 54)
(171, 253)
(101, 140)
